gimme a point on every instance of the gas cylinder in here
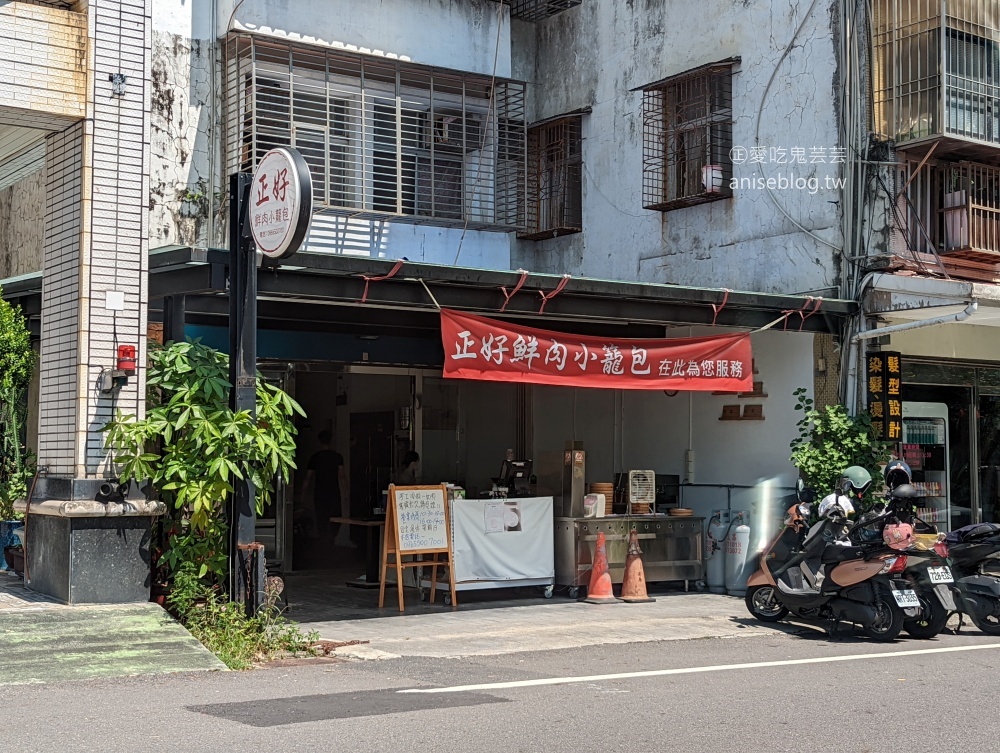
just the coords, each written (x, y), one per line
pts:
(715, 551)
(737, 547)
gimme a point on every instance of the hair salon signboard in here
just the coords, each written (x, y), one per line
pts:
(486, 349)
(280, 203)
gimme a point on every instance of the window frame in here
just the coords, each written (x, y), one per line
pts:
(670, 165)
(555, 208)
(452, 185)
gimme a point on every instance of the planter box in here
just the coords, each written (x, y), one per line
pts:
(14, 556)
(7, 538)
(85, 560)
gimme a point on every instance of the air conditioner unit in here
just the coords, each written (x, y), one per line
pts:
(452, 131)
(641, 492)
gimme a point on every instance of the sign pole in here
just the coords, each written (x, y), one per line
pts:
(246, 564)
(269, 211)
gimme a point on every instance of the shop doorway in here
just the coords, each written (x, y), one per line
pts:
(988, 422)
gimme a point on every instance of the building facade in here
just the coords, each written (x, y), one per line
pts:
(930, 293)
(606, 168)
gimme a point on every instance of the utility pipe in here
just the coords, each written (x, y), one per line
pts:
(960, 316)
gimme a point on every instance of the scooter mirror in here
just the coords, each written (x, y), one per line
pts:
(804, 493)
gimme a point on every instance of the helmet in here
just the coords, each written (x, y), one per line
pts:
(855, 481)
(835, 505)
(897, 473)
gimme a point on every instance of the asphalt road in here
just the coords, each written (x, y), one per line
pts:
(850, 696)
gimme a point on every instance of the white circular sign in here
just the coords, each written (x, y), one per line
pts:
(280, 203)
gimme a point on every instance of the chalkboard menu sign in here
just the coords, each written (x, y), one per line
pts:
(422, 519)
(417, 523)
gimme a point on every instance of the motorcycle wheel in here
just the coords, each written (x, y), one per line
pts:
(930, 623)
(763, 605)
(888, 622)
(989, 624)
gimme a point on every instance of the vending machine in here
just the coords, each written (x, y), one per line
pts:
(925, 450)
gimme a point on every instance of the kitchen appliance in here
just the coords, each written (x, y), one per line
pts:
(641, 492)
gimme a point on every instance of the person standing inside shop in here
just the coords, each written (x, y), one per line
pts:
(326, 477)
(407, 473)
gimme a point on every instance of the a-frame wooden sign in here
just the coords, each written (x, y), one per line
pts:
(417, 522)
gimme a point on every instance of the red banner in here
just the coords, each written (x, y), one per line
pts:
(486, 349)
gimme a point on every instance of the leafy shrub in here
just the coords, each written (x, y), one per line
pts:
(17, 360)
(224, 628)
(830, 441)
(192, 446)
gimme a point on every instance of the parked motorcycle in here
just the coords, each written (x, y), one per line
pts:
(811, 573)
(973, 551)
(893, 526)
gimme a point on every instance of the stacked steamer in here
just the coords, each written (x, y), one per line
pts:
(608, 490)
(681, 512)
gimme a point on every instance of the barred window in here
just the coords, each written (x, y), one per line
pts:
(687, 123)
(537, 10)
(554, 191)
(381, 137)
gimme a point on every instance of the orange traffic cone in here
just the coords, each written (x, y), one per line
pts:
(600, 591)
(634, 582)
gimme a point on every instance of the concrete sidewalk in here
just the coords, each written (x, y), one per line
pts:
(542, 627)
(42, 640)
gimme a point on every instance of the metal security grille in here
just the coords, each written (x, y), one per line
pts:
(687, 125)
(537, 10)
(936, 69)
(381, 137)
(951, 208)
(554, 198)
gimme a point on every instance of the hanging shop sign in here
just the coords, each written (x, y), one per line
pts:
(280, 203)
(884, 378)
(486, 349)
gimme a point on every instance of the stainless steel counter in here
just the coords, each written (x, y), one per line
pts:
(671, 548)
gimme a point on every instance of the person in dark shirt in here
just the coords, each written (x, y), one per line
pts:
(407, 473)
(325, 475)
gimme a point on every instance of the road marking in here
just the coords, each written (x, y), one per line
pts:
(692, 670)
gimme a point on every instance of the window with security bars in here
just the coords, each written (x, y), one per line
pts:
(921, 92)
(381, 137)
(537, 10)
(687, 123)
(555, 186)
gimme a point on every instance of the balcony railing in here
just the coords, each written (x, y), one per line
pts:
(971, 211)
(949, 214)
(936, 71)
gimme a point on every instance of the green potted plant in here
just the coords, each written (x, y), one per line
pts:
(17, 360)
(191, 445)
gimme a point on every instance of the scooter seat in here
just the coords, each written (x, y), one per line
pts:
(836, 553)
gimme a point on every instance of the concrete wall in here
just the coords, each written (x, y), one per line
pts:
(22, 218)
(965, 341)
(459, 34)
(596, 54)
(656, 429)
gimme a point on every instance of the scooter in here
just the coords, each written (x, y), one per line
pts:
(809, 575)
(924, 570)
(972, 551)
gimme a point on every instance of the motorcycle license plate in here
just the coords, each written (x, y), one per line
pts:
(940, 574)
(906, 598)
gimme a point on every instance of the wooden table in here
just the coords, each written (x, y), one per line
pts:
(371, 554)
